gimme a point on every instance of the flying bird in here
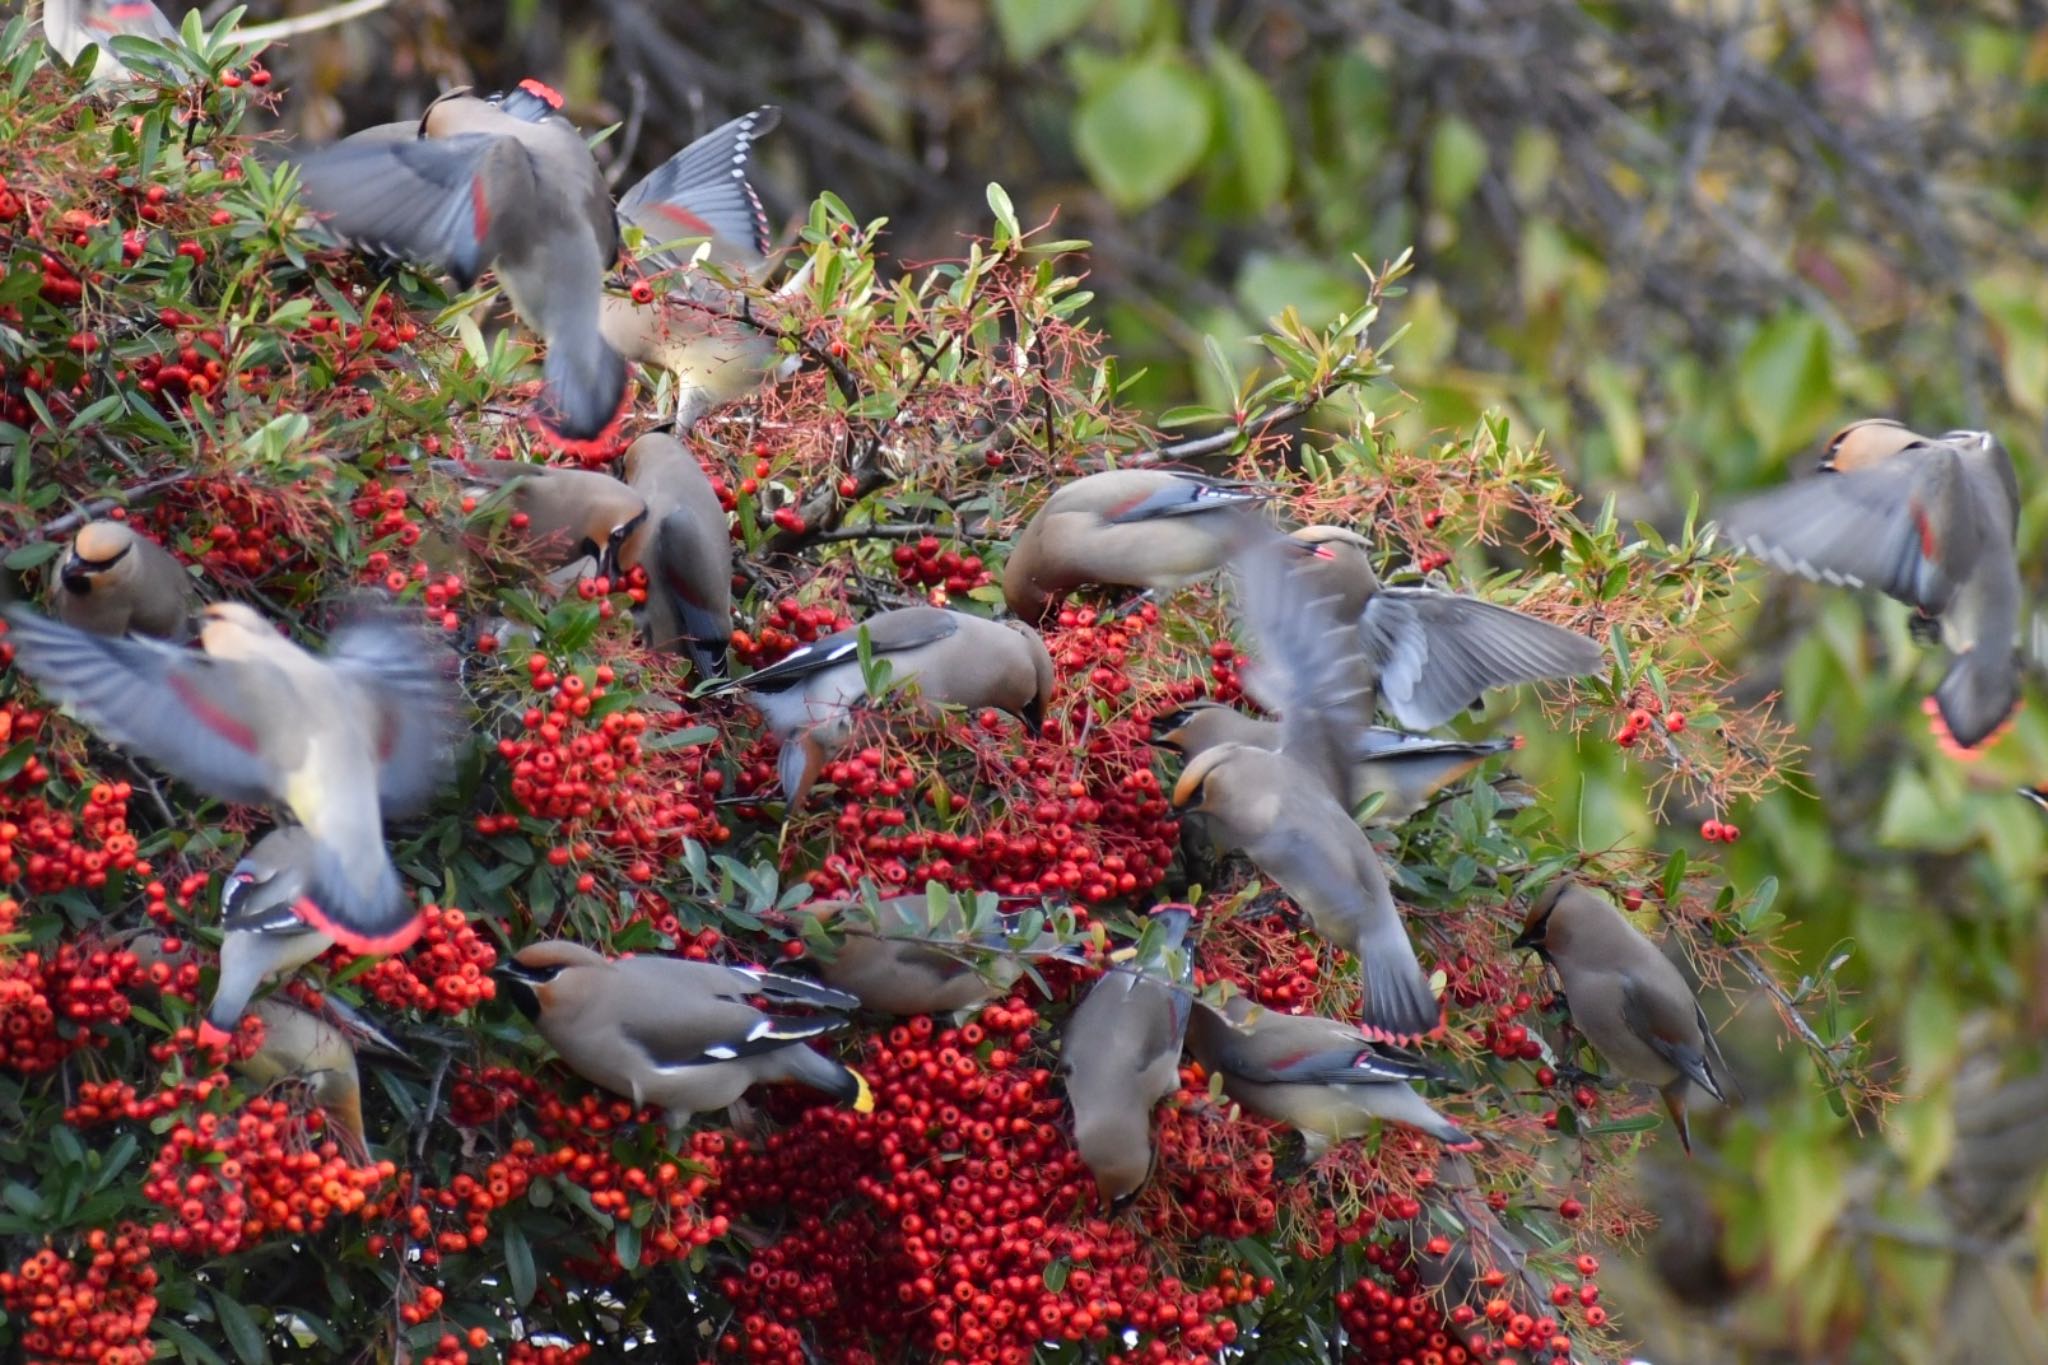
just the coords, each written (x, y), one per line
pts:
(340, 742)
(1927, 521)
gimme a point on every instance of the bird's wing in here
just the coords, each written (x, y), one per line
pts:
(176, 707)
(252, 904)
(1908, 527)
(404, 673)
(886, 635)
(1661, 1025)
(1187, 495)
(1437, 653)
(677, 1034)
(447, 202)
(703, 192)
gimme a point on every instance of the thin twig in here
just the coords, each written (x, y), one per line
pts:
(309, 23)
(76, 518)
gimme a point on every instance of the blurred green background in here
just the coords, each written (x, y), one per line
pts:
(1685, 241)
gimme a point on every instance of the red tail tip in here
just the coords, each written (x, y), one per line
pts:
(1946, 737)
(209, 1036)
(1517, 741)
(542, 90)
(592, 449)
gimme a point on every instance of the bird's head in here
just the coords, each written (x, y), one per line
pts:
(97, 549)
(622, 546)
(1169, 728)
(1865, 443)
(1537, 924)
(1191, 792)
(1328, 542)
(530, 974)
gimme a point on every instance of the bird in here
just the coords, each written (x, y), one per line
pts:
(1288, 808)
(263, 936)
(1120, 1053)
(807, 697)
(685, 548)
(480, 186)
(339, 742)
(678, 1034)
(572, 515)
(2038, 795)
(699, 329)
(1154, 529)
(69, 26)
(1627, 998)
(1434, 653)
(297, 1042)
(1927, 521)
(114, 580)
(1405, 770)
(1320, 1076)
(901, 955)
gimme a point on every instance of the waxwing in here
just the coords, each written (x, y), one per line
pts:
(1405, 770)
(685, 548)
(1120, 1052)
(480, 187)
(114, 581)
(702, 195)
(902, 955)
(1154, 529)
(1320, 1076)
(263, 937)
(1927, 521)
(572, 515)
(1628, 999)
(297, 1042)
(1431, 653)
(70, 25)
(339, 742)
(679, 1034)
(807, 697)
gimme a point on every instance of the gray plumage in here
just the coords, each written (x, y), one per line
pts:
(685, 549)
(263, 938)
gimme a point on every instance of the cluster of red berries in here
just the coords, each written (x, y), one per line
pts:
(99, 1311)
(228, 1180)
(924, 564)
(446, 971)
(117, 1101)
(783, 627)
(50, 999)
(1643, 718)
(1719, 832)
(46, 845)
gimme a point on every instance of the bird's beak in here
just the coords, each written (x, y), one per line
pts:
(2037, 795)
(1033, 715)
(1532, 937)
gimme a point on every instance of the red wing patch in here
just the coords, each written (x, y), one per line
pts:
(136, 9)
(681, 589)
(1929, 545)
(212, 717)
(479, 208)
(676, 213)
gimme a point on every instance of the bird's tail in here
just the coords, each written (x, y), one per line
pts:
(586, 388)
(374, 918)
(810, 1067)
(1398, 1005)
(1980, 690)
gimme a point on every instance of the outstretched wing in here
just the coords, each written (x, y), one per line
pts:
(1437, 653)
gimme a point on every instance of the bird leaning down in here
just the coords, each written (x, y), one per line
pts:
(901, 956)
(1120, 1053)
(1288, 808)
(1927, 521)
(263, 935)
(475, 186)
(577, 520)
(1153, 529)
(1628, 999)
(1320, 1076)
(685, 548)
(297, 1042)
(339, 742)
(116, 581)
(809, 695)
(678, 1034)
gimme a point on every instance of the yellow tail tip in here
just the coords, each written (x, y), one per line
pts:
(1123, 955)
(864, 1099)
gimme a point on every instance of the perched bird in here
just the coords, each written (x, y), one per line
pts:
(339, 742)
(298, 1042)
(1318, 1075)
(571, 514)
(685, 548)
(679, 1034)
(114, 581)
(69, 26)
(1405, 770)
(1435, 653)
(263, 936)
(1120, 1053)
(807, 697)
(698, 329)
(1138, 528)
(1288, 808)
(480, 186)
(1927, 521)
(1626, 997)
(900, 957)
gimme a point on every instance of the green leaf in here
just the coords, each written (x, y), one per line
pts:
(1784, 384)
(687, 738)
(1056, 1273)
(519, 1265)
(1006, 214)
(1142, 130)
(32, 555)
(1802, 1193)
(1259, 146)
(239, 1328)
(1029, 27)
(628, 1241)
(1458, 158)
